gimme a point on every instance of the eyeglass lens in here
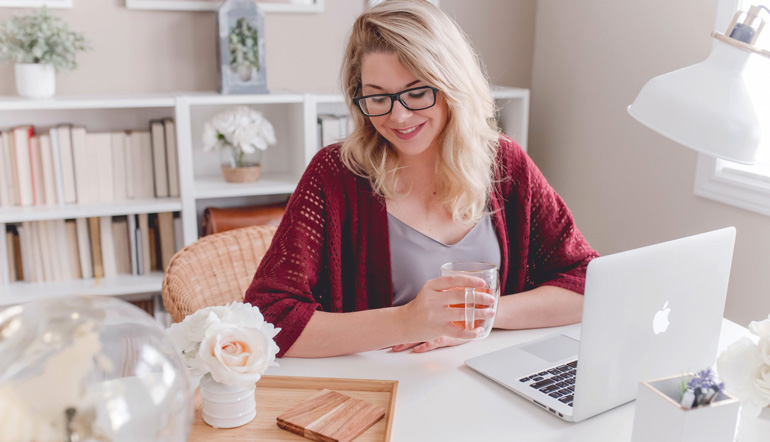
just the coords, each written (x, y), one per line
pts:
(414, 99)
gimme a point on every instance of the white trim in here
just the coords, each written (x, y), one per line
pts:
(202, 5)
(53, 4)
(719, 183)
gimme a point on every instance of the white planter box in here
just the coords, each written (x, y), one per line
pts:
(660, 418)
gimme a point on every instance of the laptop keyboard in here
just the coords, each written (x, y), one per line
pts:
(557, 382)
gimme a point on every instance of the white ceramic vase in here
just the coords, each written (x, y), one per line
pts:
(754, 428)
(35, 80)
(227, 406)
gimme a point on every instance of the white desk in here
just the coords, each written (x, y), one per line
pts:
(440, 399)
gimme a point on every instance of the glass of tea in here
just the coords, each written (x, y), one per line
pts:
(489, 273)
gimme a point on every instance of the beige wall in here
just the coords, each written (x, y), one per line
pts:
(138, 51)
(626, 185)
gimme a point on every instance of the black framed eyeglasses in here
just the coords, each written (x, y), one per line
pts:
(414, 99)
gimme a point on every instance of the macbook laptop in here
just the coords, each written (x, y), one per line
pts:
(648, 313)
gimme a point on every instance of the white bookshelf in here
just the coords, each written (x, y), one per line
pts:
(314, 6)
(121, 285)
(293, 115)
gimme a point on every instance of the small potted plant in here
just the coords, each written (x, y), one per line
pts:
(41, 45)
(241, 134)
(684, 408)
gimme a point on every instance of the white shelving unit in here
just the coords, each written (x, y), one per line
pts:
(204, 5)
(293, 115)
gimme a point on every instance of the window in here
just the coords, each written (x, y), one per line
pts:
(743, 186)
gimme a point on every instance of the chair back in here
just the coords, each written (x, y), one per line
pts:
(215, 270)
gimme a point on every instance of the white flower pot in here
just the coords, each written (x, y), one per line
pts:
(35, 80)
(660, 418)
(226, 406)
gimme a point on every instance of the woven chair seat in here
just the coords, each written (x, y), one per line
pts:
(215, 270)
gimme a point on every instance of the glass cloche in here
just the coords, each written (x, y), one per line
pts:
(89, 368)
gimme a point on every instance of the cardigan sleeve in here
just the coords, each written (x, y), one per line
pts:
(557, 253)
(283, 283)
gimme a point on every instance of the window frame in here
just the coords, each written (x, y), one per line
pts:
(714, 179)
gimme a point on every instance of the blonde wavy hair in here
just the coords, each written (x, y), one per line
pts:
(430, 45)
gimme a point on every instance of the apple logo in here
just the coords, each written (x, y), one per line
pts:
(660, 320)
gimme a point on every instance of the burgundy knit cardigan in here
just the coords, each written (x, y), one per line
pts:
(332, 252)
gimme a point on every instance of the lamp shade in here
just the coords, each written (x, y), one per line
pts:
(706, 107)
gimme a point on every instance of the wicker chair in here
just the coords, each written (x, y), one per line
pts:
(214, 270)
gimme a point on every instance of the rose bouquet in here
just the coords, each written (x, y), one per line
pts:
(745, 368)
(232, 343)
(240, 129)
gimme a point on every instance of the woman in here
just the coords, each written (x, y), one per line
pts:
(424, 176)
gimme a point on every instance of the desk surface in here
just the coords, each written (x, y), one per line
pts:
(440, 399)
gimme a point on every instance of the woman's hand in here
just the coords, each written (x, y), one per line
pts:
(429, 316)
(422, 347)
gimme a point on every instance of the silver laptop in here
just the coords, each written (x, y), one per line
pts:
(649, 312)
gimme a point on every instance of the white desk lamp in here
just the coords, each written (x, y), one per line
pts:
(707, 106)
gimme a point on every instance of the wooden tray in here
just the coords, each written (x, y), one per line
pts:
(276, 394)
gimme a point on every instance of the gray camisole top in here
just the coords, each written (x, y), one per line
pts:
(415, 258)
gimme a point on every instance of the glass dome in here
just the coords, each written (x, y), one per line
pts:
(89, 368)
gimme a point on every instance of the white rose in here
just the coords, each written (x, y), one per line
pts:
(225, 122)
(740, 366)
(762, 382)
(236, 355)
(764, 349)
(760, 328)
(210, 138)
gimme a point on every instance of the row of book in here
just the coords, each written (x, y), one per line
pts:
(98, 247)
(68, 165)
(333, 128)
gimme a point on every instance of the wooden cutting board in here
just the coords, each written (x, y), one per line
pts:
(330, 416)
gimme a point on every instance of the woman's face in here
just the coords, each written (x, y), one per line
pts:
(411, 133)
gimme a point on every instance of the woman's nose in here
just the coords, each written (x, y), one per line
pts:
(399, 113)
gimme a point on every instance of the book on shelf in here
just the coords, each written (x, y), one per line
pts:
(119, 166)
(33, 251)
(57, 166)
(64, 137)
(6, 184)
(73, 254)
(332, 128)
(100, 153)
(154, 244)
(132, 244)
(96, 247)
(143, 243)
(122, 248)
(23, 253)
(87, 192)
(84, 248)
(36, 164)
(178, 234)
(108, 247)
(143, 177)
(9, 272)
(9, 161)
(21, 143)
(166, 238)
(172, 157)
(160, 168)
(47, 169)
(64, 253)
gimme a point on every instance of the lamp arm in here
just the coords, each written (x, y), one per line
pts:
(743, 35)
